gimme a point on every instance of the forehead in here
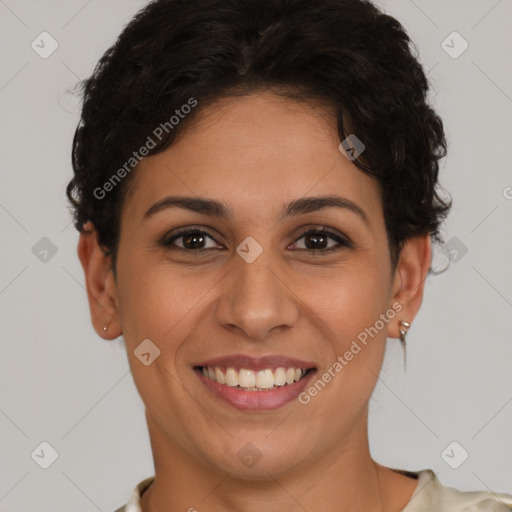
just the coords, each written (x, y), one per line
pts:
(255, 153)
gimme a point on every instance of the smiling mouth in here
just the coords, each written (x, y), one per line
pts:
(249, 380)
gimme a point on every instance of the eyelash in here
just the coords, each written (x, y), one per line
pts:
(342, 242)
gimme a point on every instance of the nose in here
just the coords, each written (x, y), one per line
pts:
(257, 299)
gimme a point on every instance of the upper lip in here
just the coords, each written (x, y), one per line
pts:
(271, 361)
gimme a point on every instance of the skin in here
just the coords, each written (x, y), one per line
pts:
(257, 153)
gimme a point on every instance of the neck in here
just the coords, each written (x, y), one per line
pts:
(344, 479)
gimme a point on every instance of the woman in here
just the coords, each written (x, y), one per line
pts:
(256, 191)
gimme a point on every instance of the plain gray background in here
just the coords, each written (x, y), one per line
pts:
(62, 384)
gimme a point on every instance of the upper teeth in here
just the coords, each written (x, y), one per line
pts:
(248, 379)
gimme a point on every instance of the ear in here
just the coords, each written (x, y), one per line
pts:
(409, 280)
(100, 284)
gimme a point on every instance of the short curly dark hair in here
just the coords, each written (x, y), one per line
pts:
(346, 53)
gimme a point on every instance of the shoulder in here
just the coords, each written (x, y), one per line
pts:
(133, 504)
(431, 495)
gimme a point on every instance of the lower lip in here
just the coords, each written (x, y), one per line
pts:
(256, 400)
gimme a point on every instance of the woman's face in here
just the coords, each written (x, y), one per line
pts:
(251, 285)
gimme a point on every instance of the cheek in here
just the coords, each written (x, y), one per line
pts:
(153, 301)
(350, 305)
(160, 306)
(355, 343)
(349, 299)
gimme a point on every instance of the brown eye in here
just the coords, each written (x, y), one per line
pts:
(192, 240)
(317, 240)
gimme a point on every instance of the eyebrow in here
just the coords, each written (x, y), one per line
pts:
(218, 209)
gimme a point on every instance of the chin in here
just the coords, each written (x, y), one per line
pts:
(255, 461)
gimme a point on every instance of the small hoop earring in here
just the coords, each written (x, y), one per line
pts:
(403, 328)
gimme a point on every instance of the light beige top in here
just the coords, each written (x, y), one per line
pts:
(429, 496)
